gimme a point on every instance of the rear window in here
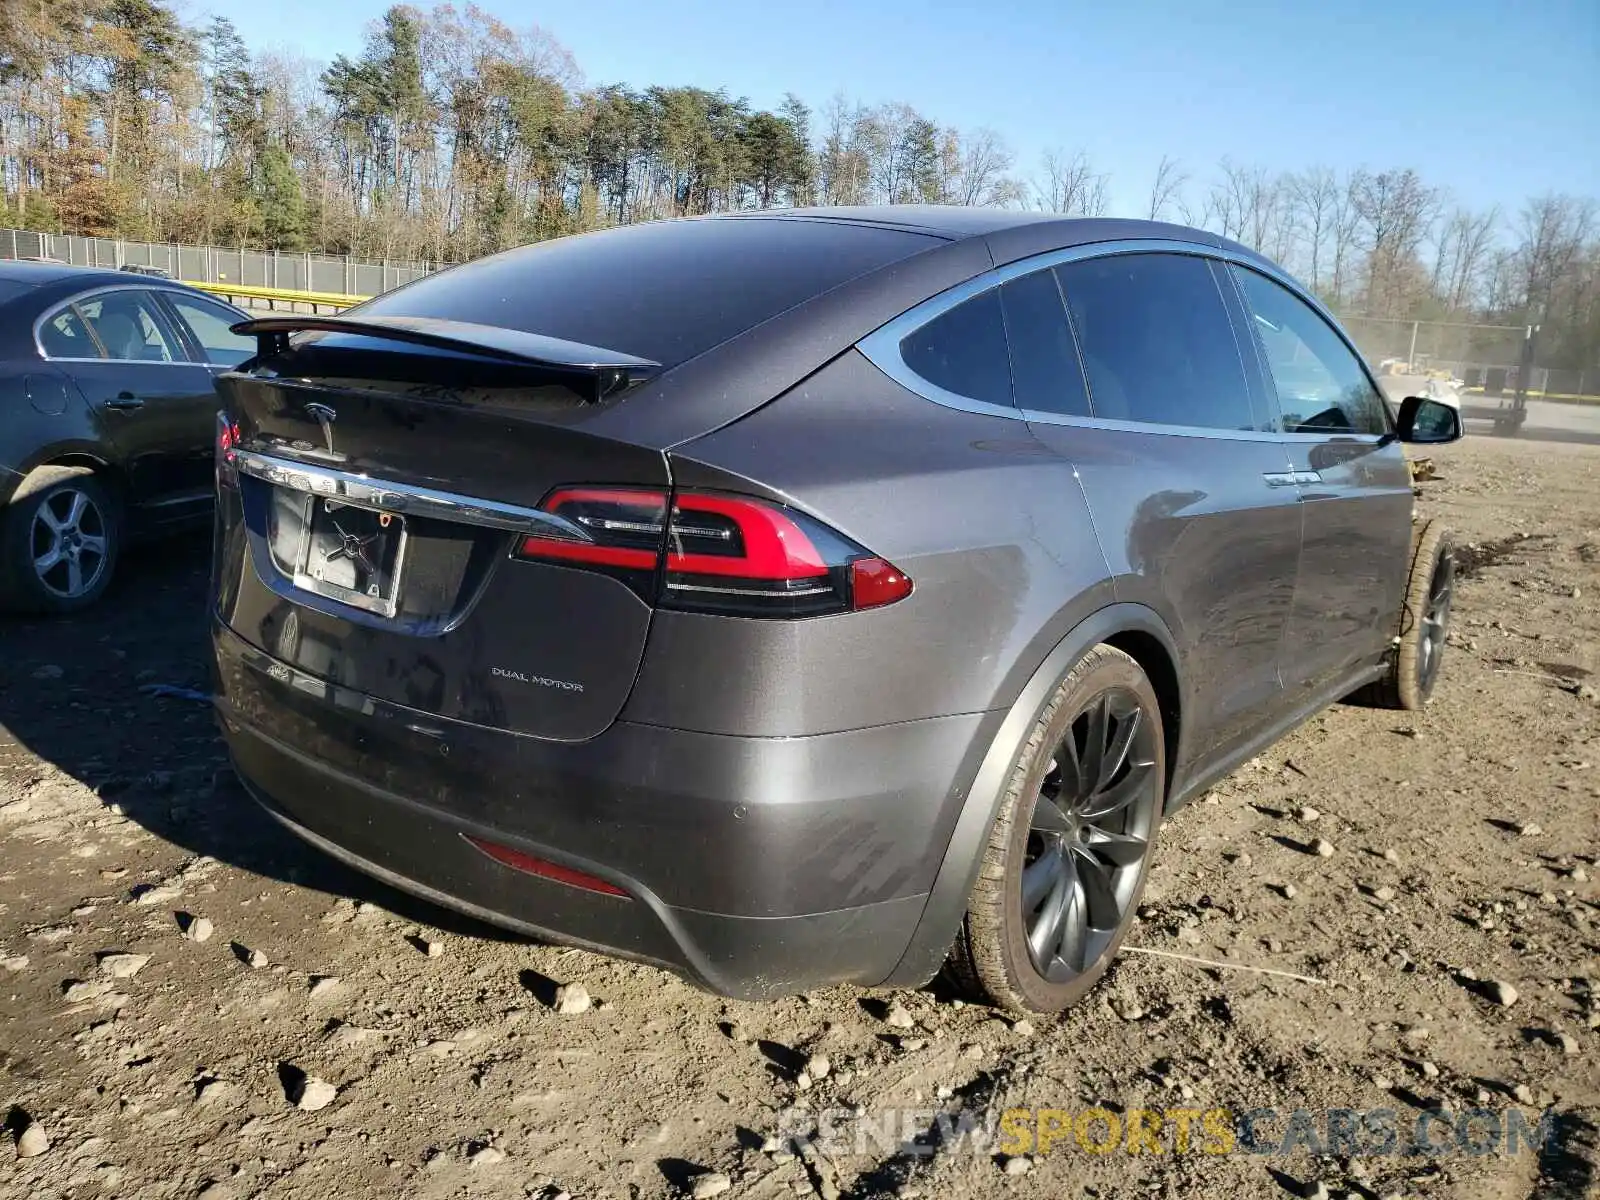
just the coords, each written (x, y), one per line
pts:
(665, 291)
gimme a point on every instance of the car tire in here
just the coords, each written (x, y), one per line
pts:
(72, 512)
(1424, 622)
(1084, 838)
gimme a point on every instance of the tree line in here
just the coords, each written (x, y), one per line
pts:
(451, 135)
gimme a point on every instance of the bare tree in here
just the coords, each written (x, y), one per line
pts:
(1314, 193)
(1397, 212)
(1167, 186)
(1069, 185)
(1460, 255)
(1552, 233)
(982, 160)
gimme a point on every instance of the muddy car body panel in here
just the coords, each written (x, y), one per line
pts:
(702, 634)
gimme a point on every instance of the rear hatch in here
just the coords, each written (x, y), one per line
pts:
(379, 468)
(374, 490)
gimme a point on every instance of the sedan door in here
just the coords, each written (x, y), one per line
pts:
(1184, 478)
(1353, 483)
(156, 405)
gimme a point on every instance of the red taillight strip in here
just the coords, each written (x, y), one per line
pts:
(529, 865)
(774, 546)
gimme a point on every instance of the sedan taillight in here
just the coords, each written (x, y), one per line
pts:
(717, 553)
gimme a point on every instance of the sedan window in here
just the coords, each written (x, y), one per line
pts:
(63, 334)
(128, 327)
(210, 322)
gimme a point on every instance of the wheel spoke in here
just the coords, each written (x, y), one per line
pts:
(1118, 797)
(1121, 743)
(1094, 743)
(74, 577)
(1070, 767)
(1118, 849)
(1073, 943)
(75, 512)
(1100, 901)
(1048, 817)
(90, 544)
(46, 516)
(1045, 934)
(48, 560)
(1037, 877)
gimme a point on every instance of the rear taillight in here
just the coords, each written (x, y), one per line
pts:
(227, 439)
(717, 553)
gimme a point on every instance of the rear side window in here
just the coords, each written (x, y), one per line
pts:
(964, 350)
(1157, 344)
(63, 334)
(662, 290)
(1321, 385)
(1044, 361)
(210, 325)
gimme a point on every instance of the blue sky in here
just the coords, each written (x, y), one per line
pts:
(1491, 99)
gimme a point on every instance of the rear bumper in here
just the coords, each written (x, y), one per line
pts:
(755, 866)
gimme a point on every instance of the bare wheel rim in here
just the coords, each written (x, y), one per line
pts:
(1089, 833)
(68, 543)
(1436, 620)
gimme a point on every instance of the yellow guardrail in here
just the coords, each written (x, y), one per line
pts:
(285, 295)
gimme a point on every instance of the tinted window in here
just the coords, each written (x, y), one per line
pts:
(1156, 342)
(63, 335)
(128, 327)
(209, 323)
(1321, 385)
(964, 350)
(664, 290)
(1044, 361)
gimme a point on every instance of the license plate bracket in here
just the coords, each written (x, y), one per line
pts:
(352, 554)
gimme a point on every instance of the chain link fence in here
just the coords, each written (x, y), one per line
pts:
(345, 275)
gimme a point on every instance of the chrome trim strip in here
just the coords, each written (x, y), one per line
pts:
(1034, 417)
(882, 346)
(407, 499)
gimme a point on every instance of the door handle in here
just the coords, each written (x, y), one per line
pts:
(125, 402)
(1279, 478)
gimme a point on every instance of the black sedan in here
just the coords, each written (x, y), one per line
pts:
(107, 417)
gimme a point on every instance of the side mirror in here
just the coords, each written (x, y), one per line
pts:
(1428, 422)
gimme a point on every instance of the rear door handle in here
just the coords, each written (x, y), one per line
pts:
(125, 402)
(1279, 478)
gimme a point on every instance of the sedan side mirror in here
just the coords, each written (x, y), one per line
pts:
(1428, 422)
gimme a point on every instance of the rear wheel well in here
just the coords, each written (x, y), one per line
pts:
(1151, 655)
(104, 470)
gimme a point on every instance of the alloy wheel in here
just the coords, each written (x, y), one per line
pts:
(1436, 621)
(68, 543)
(1090, 831)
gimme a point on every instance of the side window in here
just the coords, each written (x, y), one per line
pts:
(1156, 341)
(127, 324)
(63, 334)
(1321, 385)
(210, 325)
(964, 351)
(1044, 360)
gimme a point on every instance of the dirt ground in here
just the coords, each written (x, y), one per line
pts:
(1463, 856)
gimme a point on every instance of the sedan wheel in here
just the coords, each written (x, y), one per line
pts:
(1071, 845)
(58, 541)
(69, 543)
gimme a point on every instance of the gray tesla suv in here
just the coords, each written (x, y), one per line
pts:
(797, 597)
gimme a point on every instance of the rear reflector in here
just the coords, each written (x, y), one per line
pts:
(529, 865)
(718, 553)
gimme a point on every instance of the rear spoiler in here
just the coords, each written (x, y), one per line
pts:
(487, 341)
